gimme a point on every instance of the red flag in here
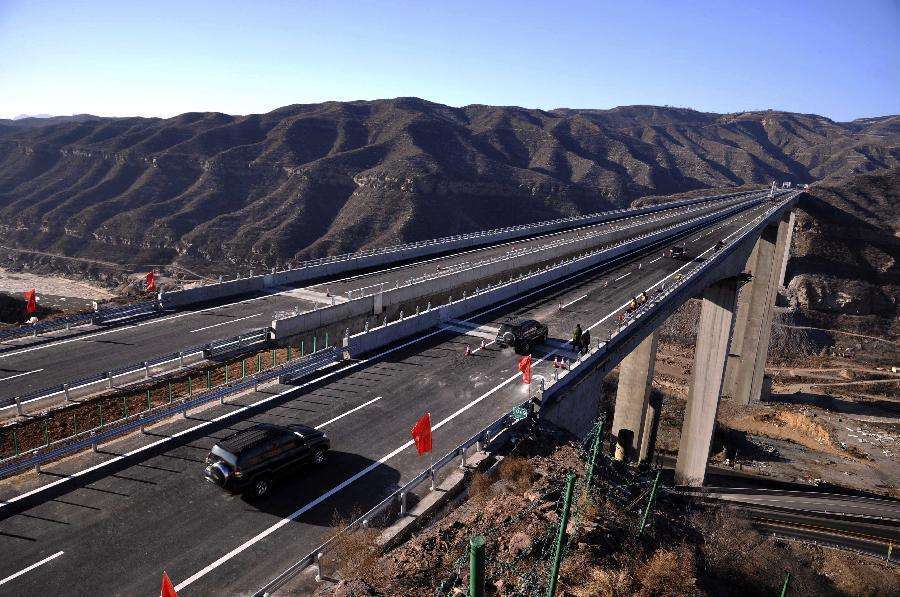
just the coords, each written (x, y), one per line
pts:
(525, 368)
(151, 281)
(31, 306)
(167, 589)
(421, 433)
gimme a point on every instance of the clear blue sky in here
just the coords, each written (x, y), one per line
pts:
(840, 59)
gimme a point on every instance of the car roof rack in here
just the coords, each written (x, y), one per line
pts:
(249, 437)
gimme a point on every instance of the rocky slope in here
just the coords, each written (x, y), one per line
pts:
(847, 245)
(214, 191)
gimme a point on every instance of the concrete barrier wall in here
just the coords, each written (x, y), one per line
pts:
(352, 262)
(568, 402)
(447, 283)
(364, 342)
(311, 320)
(393, 332)
(202, 294)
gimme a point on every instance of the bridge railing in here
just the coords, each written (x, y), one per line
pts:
(241, 342)
(101, 315)
(399, 496)
(81, 440)
(325, 266)
(601, 350)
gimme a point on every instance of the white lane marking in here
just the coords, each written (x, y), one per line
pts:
(80, 473)
(135, 325)
(334, 490)
(649, 288)
(30, 568)
(215, 325)
(607, 223)
(338, 488)
(621, 277)
(276, 294)
(348, 481)
(655, 260)
(349, 412)
(20, 374)
(572, 302)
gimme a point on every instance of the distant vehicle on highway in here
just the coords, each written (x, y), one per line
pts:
(522, 335)
(676, 251)
(251, 459)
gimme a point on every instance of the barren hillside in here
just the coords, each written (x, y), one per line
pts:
(213, 191)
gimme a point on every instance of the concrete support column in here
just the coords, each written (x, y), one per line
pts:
(651, 426)
(635, 377)
(753, 327)
(713, 335)
(786, 253)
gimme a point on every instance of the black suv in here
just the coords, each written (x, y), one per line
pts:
(252, 458)
(521, 335)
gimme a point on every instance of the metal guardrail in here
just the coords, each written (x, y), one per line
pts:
(472, 235)
(115, 314)
(95, 436)
(98, 316)
(507, 421)
(399, 494)
(218, 347)
(654, 303)
(573, 220)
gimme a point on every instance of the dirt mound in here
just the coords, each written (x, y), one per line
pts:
(787, 425)
(684, 550)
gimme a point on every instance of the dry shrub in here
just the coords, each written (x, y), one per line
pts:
(856, 575)
(587, 508)
(603, 582)
(353, 552)
(668, 573)
(516, 472)
(480, 487)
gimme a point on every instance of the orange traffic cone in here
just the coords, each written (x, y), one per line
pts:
(482, 342)
(555, 362)
(468, 350)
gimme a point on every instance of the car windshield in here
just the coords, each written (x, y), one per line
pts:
(224, 455)
(505, 328)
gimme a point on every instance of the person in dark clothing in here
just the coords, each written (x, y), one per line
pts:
(576, 337)
(585, 341)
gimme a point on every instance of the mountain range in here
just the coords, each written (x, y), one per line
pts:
(219, 192)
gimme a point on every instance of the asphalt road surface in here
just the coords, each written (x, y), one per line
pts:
(114, 532)
(29, 368)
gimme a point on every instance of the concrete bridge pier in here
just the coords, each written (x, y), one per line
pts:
(713, 336)
(753, 323)
(651, 426)
(635, 378)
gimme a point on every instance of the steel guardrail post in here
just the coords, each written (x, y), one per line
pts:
(561, 535)
(476, 566)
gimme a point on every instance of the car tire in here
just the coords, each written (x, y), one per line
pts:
(318, 457)
(262, 486)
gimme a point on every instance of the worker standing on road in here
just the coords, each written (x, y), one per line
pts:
(576, 337)
(585, 341)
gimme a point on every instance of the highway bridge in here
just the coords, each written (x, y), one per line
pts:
(139, 503)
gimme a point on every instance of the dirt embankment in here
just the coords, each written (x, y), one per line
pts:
(684, 550)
